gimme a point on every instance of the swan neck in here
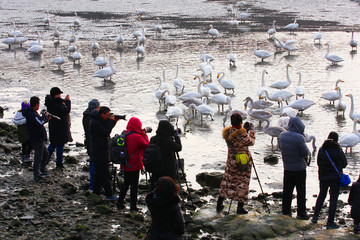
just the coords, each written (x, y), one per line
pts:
(222, 75)
(287, 74)
(299, 79)
(355, 130)
(177, 69)
(263, 79)
(266, 125)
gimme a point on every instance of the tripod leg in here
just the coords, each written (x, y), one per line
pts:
(257, 176)
(182, 170)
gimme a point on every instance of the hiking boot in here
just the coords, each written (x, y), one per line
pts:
(134, 209)
(39, 179)
(314, 219)
(332, 226)
(111, 198)
(60, 166)
(303, 217)
(219, 205)
(240, 209)
(120, 205)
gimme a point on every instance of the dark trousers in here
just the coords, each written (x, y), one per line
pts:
(59, 153)
(102, 177)
(40, 158)
(334, 194)
(294, 179)
(26, 148)
(131, 179)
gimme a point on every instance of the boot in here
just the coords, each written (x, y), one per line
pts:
(240, 208)
(356, 228)
(220, 205)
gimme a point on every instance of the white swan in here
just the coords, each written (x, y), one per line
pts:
(170, 100)
(334, 59)
(353, 42)
(137, 32)
(189, 101)
(230, 111)
(292, 26)
(213, 87)
(310, 138)
(232, 57)
(204, 56)
(15, 32)
(72, 38)
(142, 38)
(193, 94)
(71, 48)
(119, 39)
(318, 35)
(206, 69)
(174, 112)
(288, 45)
(349, 140)
(139, 49)
(272, 30)
(204, 91)
(299, 90)
(94, 45)
(227, 84)
(259, 104)
(76, 56)
(76, 21)
(221, 100)
(332, 95)
(257, 114)
(59, 60)
(283, 84)
(56, 33)
(203, 110)
(160, 95)
(352, 115)
(158, 27)
(229, 9)
(46, 20)
(301, 104)
(213, 32)
(273, 131)
(35, 49)
(340, 105)
(10, 41)
(178, 82)
(262, 87)
(101, 62)
(288, 111)
(261, 53)
(107, 72)
(285, 95)
(244, 15)
(37, 42)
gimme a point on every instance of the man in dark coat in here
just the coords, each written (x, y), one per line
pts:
(354, 201)
(37, 133)
(101, 125)
(169, 142)
(93, 105)
(294, 151)
(59, 128)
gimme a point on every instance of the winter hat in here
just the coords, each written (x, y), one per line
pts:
(333, 136)
(55, 91)
(25, 104)
(94, 103)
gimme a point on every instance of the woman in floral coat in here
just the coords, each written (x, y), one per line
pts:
(235, 182)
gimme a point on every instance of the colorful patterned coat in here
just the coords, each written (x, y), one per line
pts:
(235, 182)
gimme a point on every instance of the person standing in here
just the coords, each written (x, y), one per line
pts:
(59, 128)
(169, 142)
(354, 201)
(136, 143)
(101, 125)
(93, 105)
(163, 204)
(329, 177)
(23, 135)
(294, 153)
(236, 180)
(37, 133)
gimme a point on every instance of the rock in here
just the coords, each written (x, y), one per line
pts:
(27, 217)
(271, 159)
(94, 199)
(14, 161)
(1, 111)
(277, 194)
(139, 217)
(71, 160)
(80, 228)
(103, 209)
(16, 223)
(54, 223)
(79, 144)
(211, 180)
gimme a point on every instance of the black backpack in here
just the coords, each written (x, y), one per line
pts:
(118, 150)
(153, 159)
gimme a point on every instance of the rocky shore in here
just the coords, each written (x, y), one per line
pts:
(61, 207)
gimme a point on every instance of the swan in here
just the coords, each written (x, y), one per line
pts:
(21, 40)
(287, 45)
(232, 57)
(213, 87)
(272, 30)
(106, 72)
(234, 22)
(230, 111)
(259, 104)
(261, 53)
(349, 140)
(170, 100)
(301, 104)
(213, 32)
(76, 56)
(46, 20)
(204, 91)
(340, 105)
(310, 138)
(160, 95)
(262, 87)
(334, 59)
(288, 111)
(37, 42)
(203, 109)
(158, 27)
(220, 99)
(174, 112)
(332, 95)
(229, 9)
(76, 21)
(10, 41)
(101, 62)
(285, 95)
(35, 49)
(119, 39)
(94, 45)
(352, 115)
(189, 101)
(299, 90)
(258, 114)
(71, 48)
(206, 69)
(273, 131)
(178, 82)
(140, 12)
(245, 15)
(193, 94)
(59, 60)
(56, 33)
(72, 37)
(292, 26)
(142, 38)
(240, 4)
(353, 42)
(205, 57)
(139, 49)
(15, 32)
(227, 84)
(137, 32)
(277, 44)
(318, 35)
(283, 84)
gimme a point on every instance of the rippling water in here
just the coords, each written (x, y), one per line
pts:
(185, 25)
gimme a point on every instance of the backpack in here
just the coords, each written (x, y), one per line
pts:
(152, 159)
(118, 150)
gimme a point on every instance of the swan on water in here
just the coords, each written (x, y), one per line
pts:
(301, 104)
(318, 35)
(310, 138)
(56, 33)
(10, 41)
(353, 42)
(213, 87)
(285, 95)
(193, 94)
(119, 39)
(299, 90)
(232, 57)
(349, 140)
(258, 104)
(272, 30)
(76, 21)
(213, 32)
(273, 131)
(340, 105)
(257, 114)
(36, 49)
(139, 49)
(142, 38)
(292, 26)
(352, 115)
(288, 45)
(206, 69)
(220, 99)
(72, 37)
(203, 110)
(334, 59)
(174, 112)
(15, 32)
(204, 91)
(158, 27)
(229, 9)
(332, 95)
(59, 60)
(77, 55)
(101, 62)
(205, 56)
(227, 84)
(261, 53)
(178, 82)
(262, 87)
(46, 20)
(37, 42)
(94, 45)
(244, 15)
(107, 72)
(283, 84)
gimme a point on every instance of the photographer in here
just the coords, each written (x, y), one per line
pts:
(169, 142)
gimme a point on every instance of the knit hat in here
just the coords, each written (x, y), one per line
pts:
(94, 103)
(55, 91)
(333, 136)
(25, 104)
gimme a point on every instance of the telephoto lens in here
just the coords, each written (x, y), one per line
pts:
(148, 129)
(120, 116)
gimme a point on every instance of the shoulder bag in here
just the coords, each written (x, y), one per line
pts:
(344, 178)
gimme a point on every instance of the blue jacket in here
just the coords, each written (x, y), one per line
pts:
(293, 147)
(35, 125)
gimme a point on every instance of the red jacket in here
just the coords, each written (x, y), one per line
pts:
(137, 141)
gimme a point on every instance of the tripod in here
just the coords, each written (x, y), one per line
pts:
(115, 182)
(178, 165)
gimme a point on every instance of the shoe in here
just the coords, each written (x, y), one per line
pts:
(39, 179)
(303, 217)
(44, 174)
(332, 226)
(241, 211)
(314, 219)
(59, 166)
(219, 208)
(111, 198)
(134, 209)
(26, 159)
(120, 206)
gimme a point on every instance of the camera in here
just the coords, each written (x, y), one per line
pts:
(147, 129)
(120, 117)
(249, 126)
(51, 115)
(177, 131)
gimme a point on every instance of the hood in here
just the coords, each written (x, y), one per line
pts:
(26, 112)
(165, 128)
(234, 134)
(88, 111)
(94, 113)
(296, 125)
(155, 200)
(329, 144)
(134, 124)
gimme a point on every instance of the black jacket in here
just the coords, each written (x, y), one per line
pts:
(354, 200)
(167, 220)
(169, 144)
(35, 125)
(326, 170)
(59, 130)
(86, 125)
(100, 130)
